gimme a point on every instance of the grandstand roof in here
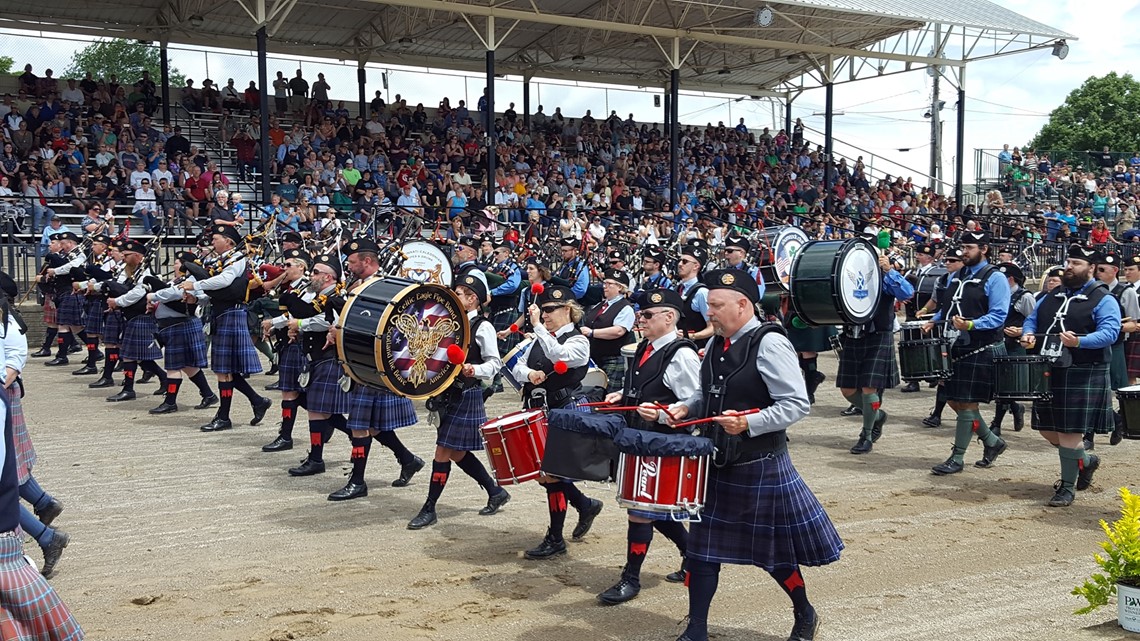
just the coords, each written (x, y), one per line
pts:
(718, 45)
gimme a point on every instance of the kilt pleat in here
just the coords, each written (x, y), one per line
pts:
(324, 395)
(811, 339)
(763, 513)
(614, 367)
(868, 361)
(50, 310)
(291, 361)
(1132, 357)
(377, 409)
(93, 308)
(231, 348)
(183, 345)
(1118, 368)
(459, 426)
(113, 327)
(70, 310)
(138, 340)
(21, 440)
(972, 375)
(1082, 401)
(30, 609)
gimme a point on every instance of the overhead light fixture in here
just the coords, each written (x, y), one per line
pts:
(724, 72)
(578, 58)
(405, 40)
(197, 20)
(927, 114)
(1061, 49)
(764, 16)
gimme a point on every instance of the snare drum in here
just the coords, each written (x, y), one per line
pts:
(672, 485)
(923, 356)
(780, 246)
(394, 335)
(424, 263)
(1129, 398)
(1022, 378)
(515, 445)
(836, 282)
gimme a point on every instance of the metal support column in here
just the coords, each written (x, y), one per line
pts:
(263, 92)
(788, 117)
(828, 112)
(674, 136)
(960, 157)
(668, 112)
(526, 101)
(362, 87)
(164, 82)
(489, 126)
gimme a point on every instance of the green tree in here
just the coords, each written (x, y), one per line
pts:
(1102, 111)
(6, 63)
(127, 59)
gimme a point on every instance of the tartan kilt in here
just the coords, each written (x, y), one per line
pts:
(763, 513)
(183, 345)
(1118, 368)
(459, 427)
(70, 310)
(291, 361)
(868, 361)
(50, 314)
(1132, 357)
(811, 339)
(324, 395)
(93, 307)
(231, 348)
(21, 440)
(614, 367)
(113, 322)
(378, 409)
(972, 378)
(138, 340)
(30, 609)
(1082, 401)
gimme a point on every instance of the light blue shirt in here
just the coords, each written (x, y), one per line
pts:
(754, 272)
(580, 281)
(1106, 314)
(700, 301)
(997, 293)
(511, 285)
(898, 286)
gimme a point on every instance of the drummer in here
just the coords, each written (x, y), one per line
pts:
(609, 326)
(667, 371)
(953, 260)
(755, 358)
(867, 363)
(974, 305)
(1082, 316)
(1021, 304)
(924, 278)
(463, 413)
(558, 346)
(694, 322)
(1108, 273)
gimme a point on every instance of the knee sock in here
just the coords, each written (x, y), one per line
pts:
(1071, 461)
(574, 496)
(473, 467)
(92, 353)
(793, 585)
(151, 367)
(288, 417)
(129, 370)
(702, 579)
(172, 385)
(556, 502)
(226, 394)
(49, 337)
(999, 412)
(871, 405)
(439, 474)
(83, 337)
(675, 532)
(339, 422)
(810, 367)
(317, 428)
(983, 430)
(203, 385)
(37, 496)
(265, 348)
(855, 399)
(110, 359)
(35, 529)
(638, 538)
(360, 447)
(939, 401)
(389, 440)
(63, 344)
(242, 385)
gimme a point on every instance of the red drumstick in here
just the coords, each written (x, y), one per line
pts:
(609, 407)
(710, 419)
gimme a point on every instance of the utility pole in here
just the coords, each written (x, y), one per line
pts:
(936, 118)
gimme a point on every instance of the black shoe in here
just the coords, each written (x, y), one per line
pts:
(42, 353)
(1018, 417)
(931, 384)
(1117, 429)
(805, 627)
(990, 454)
(165, 408)
(161, 391)
(279, 444)
(1089, 444)
(147, 377)
(877, 428)
(546, 549)
(408, 471)
(862, 446)
(259, 409)
(1085, 477)
(58, 360)
(50, 513)
(932, 421)
(119, 365)
(74, 349)
(98, 355)
(53, 551)
(1063, 496)
(852, 411)
(125, 395)
(350, 491)
(586, 519)
(949, 466)
(272, 370)
(622, 591)
(910, 387)
(85, 370)
(273, 387)
(105, 381)
(679, 575)
(207, 401)
(217, 425)
(425, 518)
(308, 468)
(495, 503)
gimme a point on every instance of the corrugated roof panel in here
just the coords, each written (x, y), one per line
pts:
(969, 13)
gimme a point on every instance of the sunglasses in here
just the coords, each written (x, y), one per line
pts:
(550, 309)
(648, 314)
(953, 260)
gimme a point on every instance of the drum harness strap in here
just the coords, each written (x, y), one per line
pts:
(952, 332)
(1052, 347)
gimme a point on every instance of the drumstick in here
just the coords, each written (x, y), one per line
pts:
(609, 407)
(754, 410)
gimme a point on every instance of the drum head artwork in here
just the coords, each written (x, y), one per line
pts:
(413, 337)
(425, 263)
(788, 244)
(860, 281)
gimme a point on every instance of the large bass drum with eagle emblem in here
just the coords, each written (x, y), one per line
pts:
(836, 282)
(394, 334)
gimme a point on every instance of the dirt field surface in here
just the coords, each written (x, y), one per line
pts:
(180, 535)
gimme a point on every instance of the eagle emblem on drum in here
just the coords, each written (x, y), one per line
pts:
(423, 338)
(860, 281)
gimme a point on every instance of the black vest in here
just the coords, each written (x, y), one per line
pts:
(474, 354)
(9, 481)
(729, 381)
(884, 318)
(973, 304)
(1015, 318)
(560, 388)
(1116, 293)
(1078, 319)
(601, 347)
(646, 383)
(506, 301)
(691, 320)
(925, 287)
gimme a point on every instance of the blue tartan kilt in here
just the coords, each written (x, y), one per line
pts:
(231, 348)
(290, 363)
(183, 345)
(378, 409)
(972, 377)
(459, 426)
(70, 310)
(113, 322)
(1082, 401)
(762, 513)
(324, 395)
(138, 340)
(868, 361)
(93, 319)
(30, 609)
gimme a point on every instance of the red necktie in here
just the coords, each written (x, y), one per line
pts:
(645, 356)
(681, 289)
(605, 306)
(727, 343)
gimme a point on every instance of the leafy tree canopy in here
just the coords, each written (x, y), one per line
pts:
(6, 63)
(126, 59)
(1102, 111)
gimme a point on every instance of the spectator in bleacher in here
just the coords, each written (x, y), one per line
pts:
(171, 205)
(246, 148)
(9, 162)
(55, 226)
(231, 97)
(146, 207)
(29, 82)
(320, 89)
(299, 91)
(35, 195)
(196, 190)
(220, 210)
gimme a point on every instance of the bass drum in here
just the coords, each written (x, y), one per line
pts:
(394, 334)
(424, 262)
(781, 244)
(836, 282)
